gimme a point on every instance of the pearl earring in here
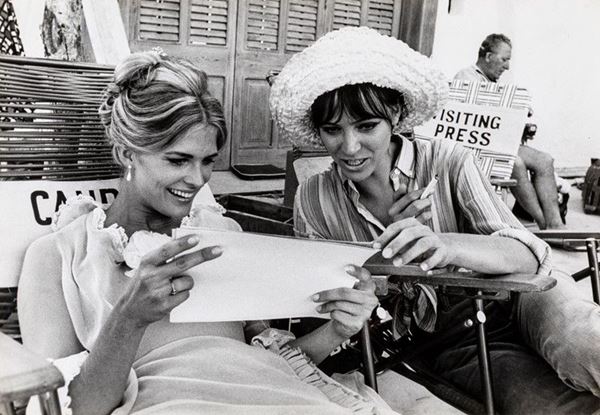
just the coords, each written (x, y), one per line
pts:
(128, 174)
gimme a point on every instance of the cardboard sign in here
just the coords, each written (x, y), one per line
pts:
(494, 129)
(28, 207)
(27, 210)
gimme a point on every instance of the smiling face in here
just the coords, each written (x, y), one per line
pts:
(359, 147)
(355, 124)
(165, 182)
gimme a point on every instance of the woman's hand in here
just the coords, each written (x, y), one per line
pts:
(408, 239)
(159, 284)
(349, 308)
(409, 205)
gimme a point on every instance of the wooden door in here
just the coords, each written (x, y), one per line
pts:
(202, 31)
(269, 33)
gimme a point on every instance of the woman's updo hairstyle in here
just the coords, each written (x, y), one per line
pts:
(153, 99)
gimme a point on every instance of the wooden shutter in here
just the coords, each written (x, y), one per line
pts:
(380, 16)
(208, 22)
(301, 24)
(159, 20)
(346, 13)
(262, 28)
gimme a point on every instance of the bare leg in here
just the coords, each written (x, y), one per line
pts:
(542, 165)
(525, 193)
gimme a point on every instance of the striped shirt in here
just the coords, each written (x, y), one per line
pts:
(327, 205)
(472, 73)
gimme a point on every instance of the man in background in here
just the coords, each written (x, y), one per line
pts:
(538, 197)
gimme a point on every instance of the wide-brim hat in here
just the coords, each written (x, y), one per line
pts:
(352, 56)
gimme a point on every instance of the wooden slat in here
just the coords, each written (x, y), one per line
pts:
(222, 4)
(147, 28)
(303, 29)
(210, 35)
(24, 373)
(298, 35)
(163, 12)
(206, 18)
(263, 23)
(168, 5)
(264, 31)
(159, 21)
(265, 3)
(209, 25)
(256, 12)
(261, 45)
(203, 10)
(303, 8)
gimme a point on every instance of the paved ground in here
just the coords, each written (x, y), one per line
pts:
(402, 394)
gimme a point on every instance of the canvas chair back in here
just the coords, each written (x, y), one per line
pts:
(51, 147)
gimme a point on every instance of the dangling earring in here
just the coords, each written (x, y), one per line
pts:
(128, 174)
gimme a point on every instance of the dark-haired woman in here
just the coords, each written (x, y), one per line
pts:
(353, 91)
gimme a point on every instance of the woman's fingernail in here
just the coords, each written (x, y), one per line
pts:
(424, 266)
(398, 262)
(319, 308)
(387, 253)
(349, 268)
(315, 297)
(193, 240)
(217, 250)
(377, 245)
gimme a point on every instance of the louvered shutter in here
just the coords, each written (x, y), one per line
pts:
(380, 16)
(346, 13)
(208, 22)
(301, 24)
(262, 28)
(159, 20)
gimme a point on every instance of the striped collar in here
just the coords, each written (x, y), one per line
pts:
(483, 76)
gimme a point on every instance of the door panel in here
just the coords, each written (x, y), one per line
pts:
(270, 32)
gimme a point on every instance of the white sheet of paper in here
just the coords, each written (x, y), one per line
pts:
(264, 277)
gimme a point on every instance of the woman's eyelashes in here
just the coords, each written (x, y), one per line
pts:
(179, 162)
(209, 161)
(363, 126)
(367, 125)
(331, 129)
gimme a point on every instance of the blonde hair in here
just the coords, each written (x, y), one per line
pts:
(153, 99)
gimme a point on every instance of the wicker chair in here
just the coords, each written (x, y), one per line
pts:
(50, 133)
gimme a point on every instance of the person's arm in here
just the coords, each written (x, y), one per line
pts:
(99, 387)
(500, 243)
(348, 308)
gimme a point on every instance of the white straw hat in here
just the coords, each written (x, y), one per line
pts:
(353, 56)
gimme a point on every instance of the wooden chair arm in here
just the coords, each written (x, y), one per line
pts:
(463, 279)
(503, 182)
(24, 374)
(566, 239)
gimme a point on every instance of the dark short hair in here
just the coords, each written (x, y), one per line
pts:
(491, 43)
(359, 101)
